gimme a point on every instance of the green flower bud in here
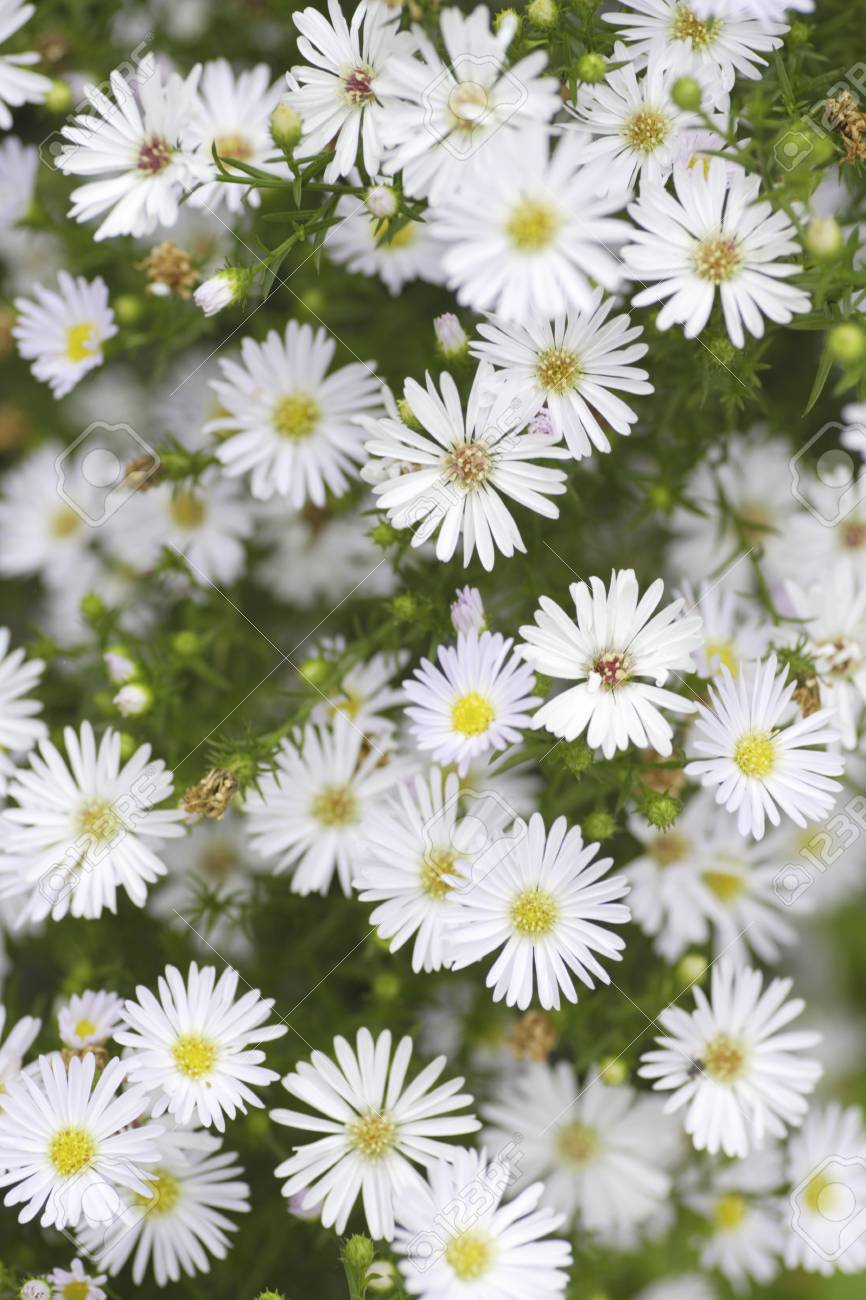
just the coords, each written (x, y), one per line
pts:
(384, 535)
(286, 127)
(314, 671)
(406, 414)
(847, 343)
(92, 606)
(542, 13)
(186, 644)
(405, 607)
(692, 968)
(824, 238)
(686, 93)
(129, 308)
(575, 755)
(358, 1253)
(661, 810)
(591, 68)
(59, 97)
(507, 16)
(599, 825)
(386, 986)
(613, 1071)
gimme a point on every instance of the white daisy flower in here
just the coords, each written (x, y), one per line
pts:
(232, 115)
(191, 1048)
(89, 1019)
(740, 1078)
(375, 1127)
(84, 825)
(714, 236)
(138, 145)
(74, 1284)
(541, 899)
(181, 1220)
(346, 95)
(827, 1175)
(570, 367)
(19, 728)
(19, 164)
(67, 1147)
(759, 762)
(288, 425)
(476, 700)
(637, 129)
(616, 641)
(451, 476)
(319, 558)
(206, 522)
(458, 111)
(504, 1251)
(15, 1046)
(17, 85)
(833, 612)
(601, 1151)
(365, 692)
(732, 632)
(671, 32)
(62, 332)
(773, 11)
(747, 1236)
(309, 815)
(531, 231)
(360, 242)
(420, 847)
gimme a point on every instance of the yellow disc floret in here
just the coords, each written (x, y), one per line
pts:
(472, 714)
(755, 754)
(71, 1150)
(534, 913)
(194, 1055)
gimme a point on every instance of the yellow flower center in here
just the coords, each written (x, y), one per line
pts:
(718, 259)
(532, 226)
(65, 522)
(217, 862)
(755, 754)
(435, 865)
(688, 27)
(373, 1135)
(821, 1196)
(99, 820)
(194, 1055)
(405, 237)
(534, 913)
(557, 371)
(578, 1144)
(71, 1150)
(724, 652)
(469, 465)
(76, 1291)
(296, 416)
(164, 1194)
(724, 1060)
(472, 714)
(186, 510)
(729, 1212)
(469, 1255)
(336, 805)
(234, 146)
(84, 1028)
(647, 129)
(668, 848)
(468, 103)
(81, 341)
(726, 885)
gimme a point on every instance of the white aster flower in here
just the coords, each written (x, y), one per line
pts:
(182, 1218)
(503, 1251)
(457, 113)
(715, 236)
(531, 231)
(362, 243)
(232, 115)
(67, 1147)
(19, 728)
(191, 1048)
(728, 1062)
(138, 145)
(288, 425)
(759, 760)
(309, 815)
(600, 1151)
(672, 32)
(541, 899)
(420, 847)
(17, 85)
(616, 641)
(84, 825)
(345, 97)
(452, 475)
(19, 164)
(638, 130)
(364, 692)
(89, 1019)
(747, 1236)
(833, 612)
(319, 558)
(62, 332)
(827, 1175)
(467, 611)
(476, 700)
(15, 1046)
(74, 1284)
(503, 776)
(570, 367)
(732, 632)
(375, 1127)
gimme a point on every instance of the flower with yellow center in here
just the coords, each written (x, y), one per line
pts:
(81, 341)
(472, 714)
(729, 1212)
(755, 754)
(373, 1135)
(65, 522)
(336, 805)
(534, 913)
(469, 1254)
(71, 1150)
(558, 371)
(296, 416)
(165, 1193)
(469, 465)
(438, 872)
(718, 259)
(725, 1060)
(727, 886)
(578, 1144)
(647, 129)
(187, 510)
(84, 1028)
(99, 821)
(723, 652)
(532, 225)
(76, 1290)
(687, 26)
(668, 848)
(194, 1055)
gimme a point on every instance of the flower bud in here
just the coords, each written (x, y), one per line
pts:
(451, 336)
(286, 127)
(847, 343)
(133, 699)
(591, 68)
(599, 825)
(692, 968)
(118, 665)
(35, 1289)
(661, 810)
(613, 1071)
(381, 200)
(223, 289)
(824, 237)
(686, 93)
(467, 611)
